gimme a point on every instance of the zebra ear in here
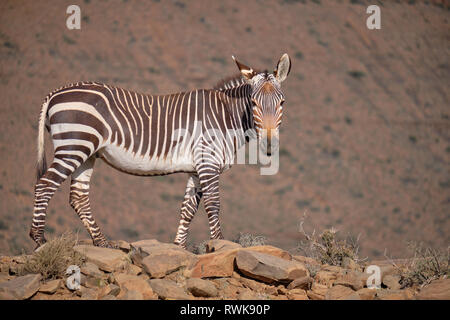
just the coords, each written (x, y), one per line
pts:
(247, 72)
(283, 68)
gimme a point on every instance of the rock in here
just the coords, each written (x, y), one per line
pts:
(123, 245)
(352, 279)
(128, 282)
(249, 295)
(165, 261)
(297, 294)
(217, 264)
(314, 296)
(109, 290)
(273, 251)
(385, 294)
(325, 277)
(131, 295)
(50, 286)
(92, 282)
(252, 284)
(87, 293)
(106, 259)
(90, 269)
(20, 288)
(133, 269)
(168, 289)
(269, 268)
(367, 294)
(159, 259)
(108, 297)
(216, 245)
(201, 288)
(319, 289)
(301, 283)
(436, 290)
(348, 263)
(306, 260)
(392, 281)
(339, 292)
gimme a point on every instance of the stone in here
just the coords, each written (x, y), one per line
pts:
(301, 283)
(319, 289)
(50, 286)
(339, 292)
(131, 295)
(20, 288)
(92, 270)
(133, 269)
(87, 293)
(168, 289)
(392, 281)
(306, 260)
(109, 290)
(252, 284)
(367, 294)
(201, 288)
(297, 294)
(159, 264)
(325, 277)
(348, 263)
(273, 251)
(436, 290)
(385, 294)
(249, 295)
(106, 259)
(128, 282)
(314, 296)
(216, 264)
(108, 297)
(216, 245)
(351, 278)
(92, 282)
(269, 268)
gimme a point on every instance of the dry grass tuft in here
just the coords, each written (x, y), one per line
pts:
(426, 265)
(52, 260)
(326, 248)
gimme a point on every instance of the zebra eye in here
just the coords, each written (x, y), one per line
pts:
(282, 102)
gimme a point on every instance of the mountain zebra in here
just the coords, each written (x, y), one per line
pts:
(143, 135)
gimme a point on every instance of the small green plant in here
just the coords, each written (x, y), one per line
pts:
(52, 259)
(426, 265)
(326, 248)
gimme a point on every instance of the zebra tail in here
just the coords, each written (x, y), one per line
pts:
(41, 160)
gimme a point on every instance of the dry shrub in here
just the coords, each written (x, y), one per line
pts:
(250, 240)
(52, 259)
(326, 248)
(426, 265)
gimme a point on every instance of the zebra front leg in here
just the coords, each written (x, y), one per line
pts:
(189, 207)
(209, 180)
(79, 200)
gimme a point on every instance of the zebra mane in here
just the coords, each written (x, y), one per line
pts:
(230, 82)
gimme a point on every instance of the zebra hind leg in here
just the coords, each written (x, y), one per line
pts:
(79, 201)
(44, 190)
(189, 207)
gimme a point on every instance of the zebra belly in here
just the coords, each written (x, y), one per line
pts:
(146, 165)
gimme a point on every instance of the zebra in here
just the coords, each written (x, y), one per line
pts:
(141, 134)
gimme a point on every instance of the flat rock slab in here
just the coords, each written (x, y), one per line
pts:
(50, 286)
(339, 292)
(216, 264)
(162, 262)
(269, 268)
(273, 251)
(128, 282)
(216, 245)
(201, 288)
(20, 288)
(168, 289)
(106, 259)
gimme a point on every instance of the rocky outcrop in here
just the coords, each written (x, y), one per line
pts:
(150, 269)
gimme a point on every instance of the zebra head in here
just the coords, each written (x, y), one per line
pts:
(266, 99)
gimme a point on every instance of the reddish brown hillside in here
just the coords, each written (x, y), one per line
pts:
(365, 141)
